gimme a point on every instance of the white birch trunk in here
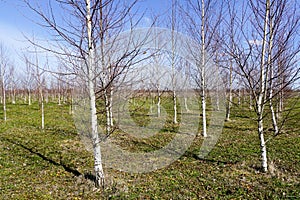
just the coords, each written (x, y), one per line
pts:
(203, 98)
(230, 94)
(42, 112)
(175, 107)
(59, 96)
(41, 98)
(158, 104)
(151, 105)
(40, 94)
(250, 101)
(186, 105)
(29, 97)
(263, 147)
(3, 93)
(277, 107)
(262, 93)
(173, 64)
(110, 108)
(274, 120)
(281, 99)
(99, 174)
(108, 129)
(239, 96)
(13, 95)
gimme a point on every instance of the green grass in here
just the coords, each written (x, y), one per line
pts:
(54, 164)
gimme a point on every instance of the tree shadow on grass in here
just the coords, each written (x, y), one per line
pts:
(195, 156)
(66, 168)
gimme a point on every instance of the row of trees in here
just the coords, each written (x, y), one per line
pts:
(254, 45)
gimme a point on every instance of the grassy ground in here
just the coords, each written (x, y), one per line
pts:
(54, 164)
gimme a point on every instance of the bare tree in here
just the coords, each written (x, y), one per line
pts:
(3, 67)
(86, 37)
(12, 83)
(260, 28)
(203, 20)
(28, 80)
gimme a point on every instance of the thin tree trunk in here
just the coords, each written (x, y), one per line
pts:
(29, 97)
(250, 101)
(277, 106)
(230, 94)
(13, 95)
(99, 174)
(3, 94)
(239, 96)
(175, 107)
(59, 96)
(42, 111)
(271, 34)
(217, 86)
(263, 147)
(173, 64)
(281, 99)
(203, 98)
(110, 108)
(158, 104)
(262, 92)
(40, 93)
(186, 105)
(107, 112)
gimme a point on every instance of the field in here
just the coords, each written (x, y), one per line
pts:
(54, 164)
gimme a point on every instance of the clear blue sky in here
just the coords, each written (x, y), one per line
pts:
(15, 20)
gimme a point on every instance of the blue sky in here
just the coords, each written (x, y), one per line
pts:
(15, 21)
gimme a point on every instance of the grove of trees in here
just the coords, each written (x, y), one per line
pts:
(255, 45)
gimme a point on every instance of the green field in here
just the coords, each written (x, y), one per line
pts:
(54, 164)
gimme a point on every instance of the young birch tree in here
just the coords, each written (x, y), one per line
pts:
(3, 66)
(28, 80)
(85, 39)
(257, 57)
(203, 21)
(173, 60)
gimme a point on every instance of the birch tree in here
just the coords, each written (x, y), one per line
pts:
(203, 21)
(257, 56)
(28, 80)
(85, 38)
(173, 62)
(3, 66)
(12, 84)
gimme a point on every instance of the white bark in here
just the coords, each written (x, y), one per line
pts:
(271, 36)
(3, 92)
(175, 107)
(239, 96)
(107, 112)
(59, 95)
(263, 147)
(230, 94)
(262, 92)
(99, 174)
(3, 65)
(40, 90)
(186, 105)
(175, 121)
(250, 101)
(158, 103)
(110, 107)
(203, 98)
(29, 97)
(42, 111)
